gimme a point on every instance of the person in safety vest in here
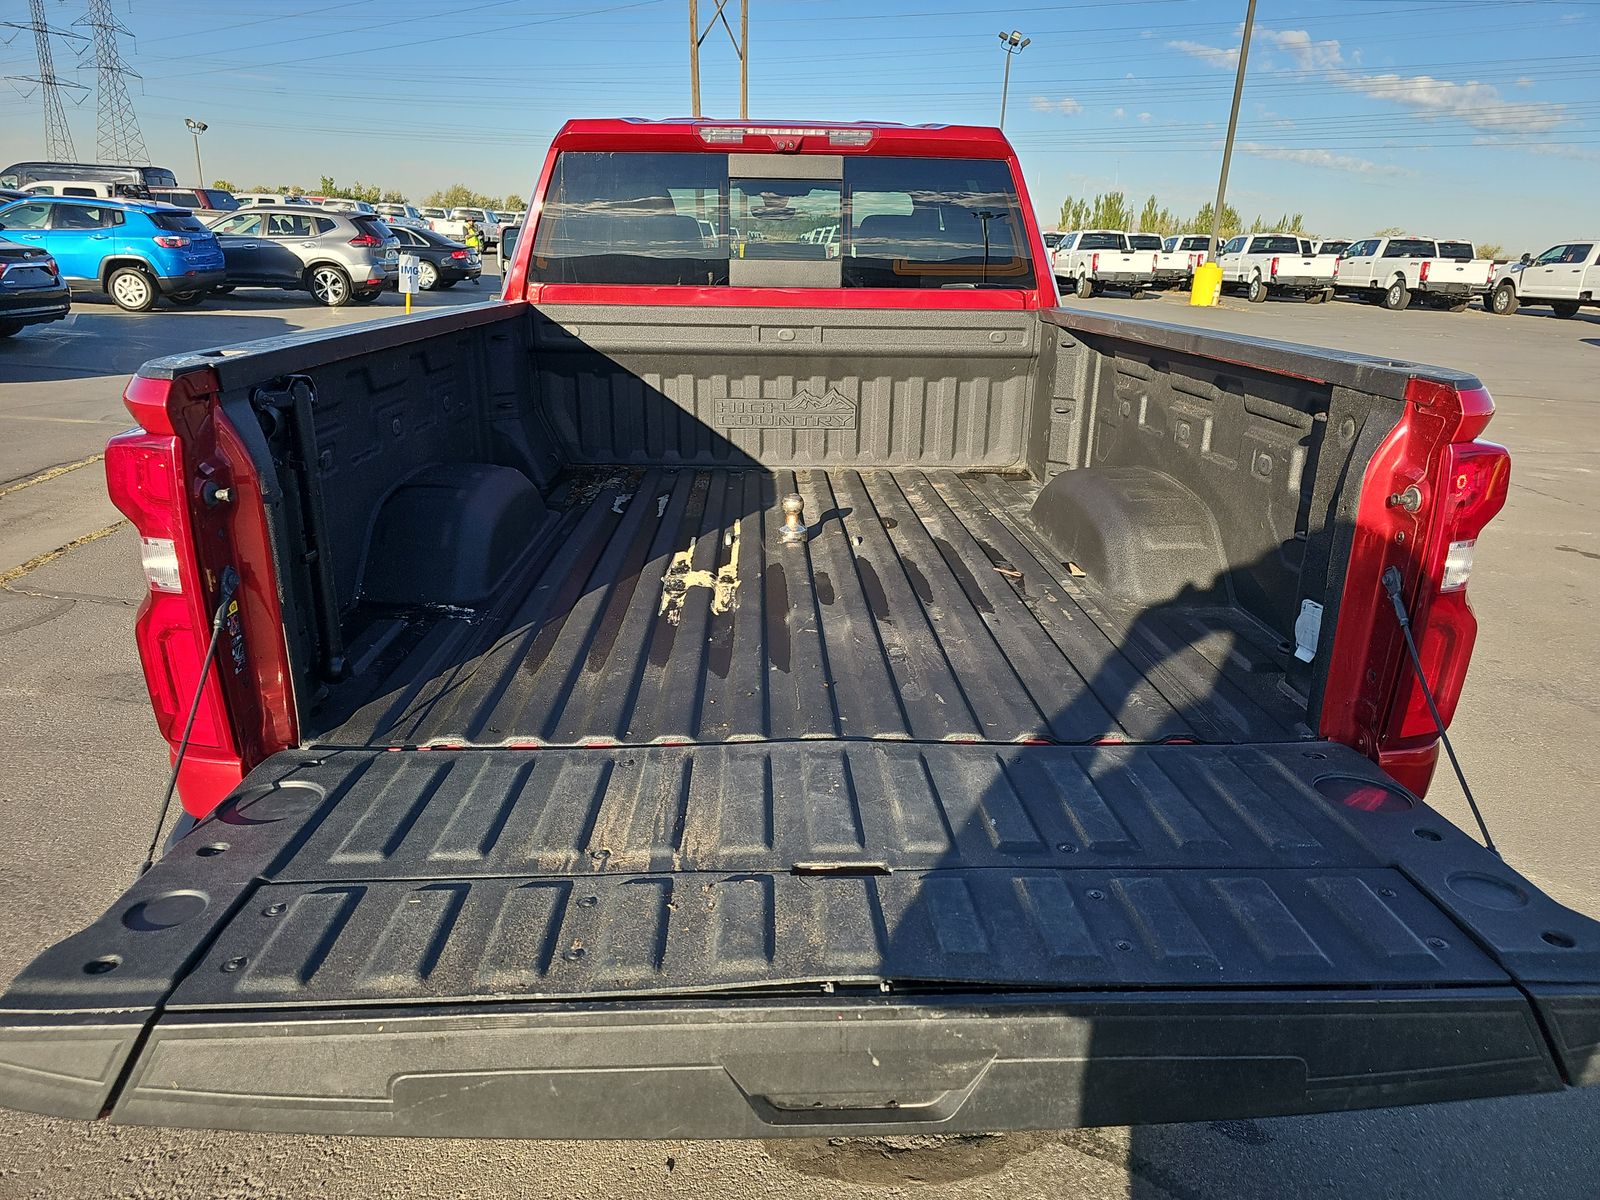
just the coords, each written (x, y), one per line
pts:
(471, 238)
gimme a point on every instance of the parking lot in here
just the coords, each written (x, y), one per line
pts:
(81, 772)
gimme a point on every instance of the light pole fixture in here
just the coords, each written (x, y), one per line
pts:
(1013, 44)
(197, 128)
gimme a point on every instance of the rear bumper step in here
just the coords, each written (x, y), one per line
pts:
(799, 1067)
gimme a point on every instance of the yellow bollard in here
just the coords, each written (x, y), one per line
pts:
(1206, 289)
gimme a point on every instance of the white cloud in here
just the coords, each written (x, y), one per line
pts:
(1066, 106)
(1524, 82)
(1322, 158)
(1478, 105)
(1118, 113)
(1212, 56)
(1308, 53)
(1144, 117)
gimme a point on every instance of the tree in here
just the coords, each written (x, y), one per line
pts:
(515, 203)
(224, 185)
(1492, 250)
(1074, 214)
(1111, 211)
(1231, 222)
(393, 197)
(1391, 231)
(459, 195)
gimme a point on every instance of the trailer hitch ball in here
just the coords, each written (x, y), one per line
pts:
(794, 526)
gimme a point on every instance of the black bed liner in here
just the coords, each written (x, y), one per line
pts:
(412, 941)
(918, 608)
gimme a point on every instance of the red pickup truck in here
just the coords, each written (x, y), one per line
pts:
(778, 674)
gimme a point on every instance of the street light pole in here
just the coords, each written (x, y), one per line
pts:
(1233, 125)
(1013, 44)
(197, 128)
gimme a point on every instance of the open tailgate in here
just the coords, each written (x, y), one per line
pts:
(808, 938)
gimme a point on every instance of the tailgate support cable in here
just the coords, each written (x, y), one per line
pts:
(230, 584)
(1391, 585)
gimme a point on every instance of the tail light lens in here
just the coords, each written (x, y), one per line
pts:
(1422, 275)
(1094, 263)
(171, 242)
(459, 254)
(1336, 263)
(1274, 268)
(1468, 489)
(366, 239)
(1370, 698)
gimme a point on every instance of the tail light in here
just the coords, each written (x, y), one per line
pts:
(1422, 275)
(171, 242)
(366, 239)
(157, 476)
(460, 254)
(1274, 268)
(1094, 263)
(1336, 263)
(1370, 698)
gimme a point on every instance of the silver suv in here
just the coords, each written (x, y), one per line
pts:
(340, 258)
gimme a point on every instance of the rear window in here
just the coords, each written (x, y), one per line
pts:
(220, 200)
(1196, 243)
(183, 199)
(178, 222)
(1102, 241)
(1408, 248)
(1144, 241)
(1456, 251)
(666, 219)
(1333, 248)
(373, 226)
(1275, 245)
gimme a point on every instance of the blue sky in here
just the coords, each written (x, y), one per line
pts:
(1477, 118)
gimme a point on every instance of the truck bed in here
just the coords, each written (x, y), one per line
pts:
(660, 605)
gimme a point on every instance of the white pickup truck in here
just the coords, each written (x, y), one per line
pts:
(1270, 263)
(1088, 260)
(1195, 248)
(1395, 270)
(1566, 277)
(1172, 268)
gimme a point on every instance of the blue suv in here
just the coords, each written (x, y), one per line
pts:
(134, 251)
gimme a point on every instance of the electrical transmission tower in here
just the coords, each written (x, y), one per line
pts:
(120, 140)
(57, 133)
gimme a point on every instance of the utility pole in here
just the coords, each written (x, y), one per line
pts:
(118, 135)
(741, 47)
(197, 128)
(57, 133)
(1233, 125)
(1013, 44)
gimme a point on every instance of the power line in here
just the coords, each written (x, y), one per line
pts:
(57, 133)
(118, 137)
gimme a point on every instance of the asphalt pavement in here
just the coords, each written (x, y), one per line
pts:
(81, 769)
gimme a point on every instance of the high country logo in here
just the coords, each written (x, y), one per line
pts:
(803, 410)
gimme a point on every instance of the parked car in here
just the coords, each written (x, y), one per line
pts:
(346, 205)
(1566, 277)
(961, 714)
(340, 258)
(88, 189)
(203, 199)
(1172, 267)
(1195, 248)
(275, 199)
(435, 217)
(19, 175)
(508, 218)
(1393, 270)
(397, 216)
(1089, 260)
(134, 251)
(444, 263)
(1265, 264)
(32, 290)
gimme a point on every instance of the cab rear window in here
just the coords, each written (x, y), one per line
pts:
(688, 219)
(1408, 248)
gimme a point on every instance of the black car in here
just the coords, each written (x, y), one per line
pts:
(32, 290)
(444, 262)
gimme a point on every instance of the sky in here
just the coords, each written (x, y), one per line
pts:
(1455, 118)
